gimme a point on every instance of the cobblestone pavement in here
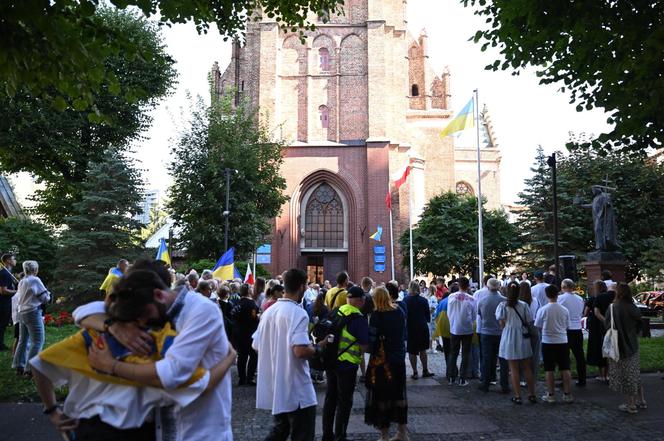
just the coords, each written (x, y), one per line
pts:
(437, 412)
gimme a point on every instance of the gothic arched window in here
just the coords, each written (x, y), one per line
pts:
(324, 219)
(414, 90)
(464, 189)
(324, 116)
(324, 56)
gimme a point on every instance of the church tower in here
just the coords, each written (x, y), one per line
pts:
(355, 100)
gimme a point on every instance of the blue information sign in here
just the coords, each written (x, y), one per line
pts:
(379, 249)
(379, 267)
(379, 258)
(264, 249)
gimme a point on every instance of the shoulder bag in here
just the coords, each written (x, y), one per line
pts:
(610, 348)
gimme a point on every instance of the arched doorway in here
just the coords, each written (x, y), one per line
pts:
(324, 232)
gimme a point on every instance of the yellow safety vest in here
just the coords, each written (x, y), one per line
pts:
(348, 346)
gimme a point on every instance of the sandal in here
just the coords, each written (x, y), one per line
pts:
(532, 399)
(427, 374)
(516, 400)
(414, 376)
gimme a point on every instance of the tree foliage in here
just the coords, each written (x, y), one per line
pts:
(637, 199)
(57, 146)
(606, 54)
(101, 230)
(56, 49)
(445, 239)
(30, 240)
(217, 138)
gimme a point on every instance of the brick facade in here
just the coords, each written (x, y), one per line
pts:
(356, 100)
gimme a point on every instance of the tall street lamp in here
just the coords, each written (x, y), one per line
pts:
(551, 161)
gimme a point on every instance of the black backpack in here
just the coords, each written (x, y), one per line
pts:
(333, 325)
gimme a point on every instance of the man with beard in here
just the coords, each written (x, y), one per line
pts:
(201, 341)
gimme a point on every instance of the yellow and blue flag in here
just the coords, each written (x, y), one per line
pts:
(162, 252)
(225, 267)
(113, 275)
(378, 234)
(464, 120)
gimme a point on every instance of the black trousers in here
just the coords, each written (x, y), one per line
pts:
(94, 429)
(446, 347)
(246, 365)
(459, 342)
(338, 403)
(300, 425)
(5, 316)
(575, 342)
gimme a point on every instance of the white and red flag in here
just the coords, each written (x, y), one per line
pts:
(397, 180)
(249, 277)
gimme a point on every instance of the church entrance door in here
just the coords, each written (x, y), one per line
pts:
(326, 266)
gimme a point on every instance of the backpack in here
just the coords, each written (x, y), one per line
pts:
(333, 325)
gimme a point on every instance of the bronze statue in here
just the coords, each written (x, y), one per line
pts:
(604, 219)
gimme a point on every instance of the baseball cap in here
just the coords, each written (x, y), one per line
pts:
(355, 292)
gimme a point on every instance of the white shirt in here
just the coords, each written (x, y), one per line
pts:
(574, 305)
(283, 383)
(14, 309)
(201, 341)
(310, 295)
(534, 307)
(461, 311)
(554, 321)
(538, 292)
(123, 407)
(479, 295)
(31, 294)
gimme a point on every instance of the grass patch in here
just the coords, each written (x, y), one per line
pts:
(20, 389)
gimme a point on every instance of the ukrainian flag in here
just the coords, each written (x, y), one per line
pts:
(378, 234)
(162, 252)
(113, 275)
(464, 120)
(225, 267)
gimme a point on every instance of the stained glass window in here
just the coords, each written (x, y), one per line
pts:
(464, 189)
(324, 219)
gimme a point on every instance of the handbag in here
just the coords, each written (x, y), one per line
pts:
(610, 348)
(528, 333)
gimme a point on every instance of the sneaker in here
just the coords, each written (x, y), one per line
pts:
(463, 383)
(427, 374)
(450, 381)
(549, 398)
(522, 383)
(642, 405)
(568, 398)
(627, 408)
(493, 383)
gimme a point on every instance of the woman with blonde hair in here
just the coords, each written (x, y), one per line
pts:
(386, 375)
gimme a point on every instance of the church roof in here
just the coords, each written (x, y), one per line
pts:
(9, 206)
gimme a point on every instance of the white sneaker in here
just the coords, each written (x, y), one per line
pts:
(463, 383)
(549, 398)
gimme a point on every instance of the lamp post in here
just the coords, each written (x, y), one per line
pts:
(227, 212)
(551, 161)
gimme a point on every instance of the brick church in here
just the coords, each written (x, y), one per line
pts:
(356, 101)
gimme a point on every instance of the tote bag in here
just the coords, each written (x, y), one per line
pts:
(610, 345)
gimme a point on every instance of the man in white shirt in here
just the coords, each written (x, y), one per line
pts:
(554, 321)
(574, 305)
(201, 341)
(284, 385)
(537, 290)
(461, 312)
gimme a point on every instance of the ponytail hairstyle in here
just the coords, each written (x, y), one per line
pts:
(513, 291)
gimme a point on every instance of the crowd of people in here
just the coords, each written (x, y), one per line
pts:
(151, 361)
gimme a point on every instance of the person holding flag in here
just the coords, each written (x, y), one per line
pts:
(114, 274)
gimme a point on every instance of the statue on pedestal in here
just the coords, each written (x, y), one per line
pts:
(604, 219)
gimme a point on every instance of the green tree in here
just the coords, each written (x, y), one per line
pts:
(606, 54)
(101, 230)
(30, 240)
(217, 138)
(57, 146)
(637, 198)
(445, 239)
(55, 49)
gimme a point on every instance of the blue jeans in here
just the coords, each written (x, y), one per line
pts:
(31, 326)
(490, 347)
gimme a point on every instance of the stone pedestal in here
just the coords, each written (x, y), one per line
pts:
(599, 261)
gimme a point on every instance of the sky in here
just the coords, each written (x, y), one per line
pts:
(524, 113)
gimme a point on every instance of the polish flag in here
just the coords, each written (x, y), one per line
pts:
(398, 180)
(249, 278)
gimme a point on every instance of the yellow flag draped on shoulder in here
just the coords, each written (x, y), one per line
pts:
(72, 353)
(464, 120)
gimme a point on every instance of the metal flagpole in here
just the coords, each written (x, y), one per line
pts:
(480, 232)
(392, 244)
(410, 226)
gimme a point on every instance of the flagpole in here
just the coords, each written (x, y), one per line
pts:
(392, 245)
(480, 232)
(410, 227)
